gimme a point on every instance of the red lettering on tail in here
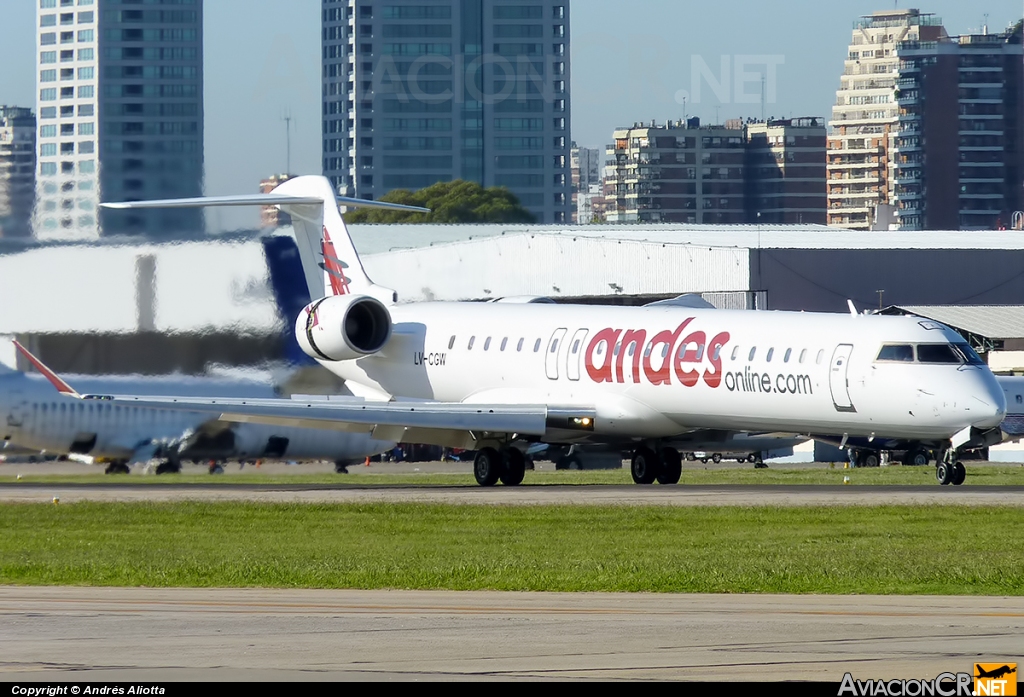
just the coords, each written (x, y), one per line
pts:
(334, 266)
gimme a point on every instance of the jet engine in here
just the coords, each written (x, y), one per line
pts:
(343, 327)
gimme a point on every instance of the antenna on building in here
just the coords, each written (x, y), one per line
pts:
(763, 83)
(287, 118)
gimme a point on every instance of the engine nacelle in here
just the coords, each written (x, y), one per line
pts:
(343, 327)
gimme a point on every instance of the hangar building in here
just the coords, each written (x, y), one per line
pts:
(135, 306)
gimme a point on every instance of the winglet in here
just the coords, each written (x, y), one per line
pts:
(853, 308)
(62, 387)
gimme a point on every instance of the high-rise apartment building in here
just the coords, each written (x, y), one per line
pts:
(416, 93)
(683, 172)
(17, 170)
(957, 159)
(786, 171)
(120, 115)
(865, 116)
(679, 172)
(928, 129)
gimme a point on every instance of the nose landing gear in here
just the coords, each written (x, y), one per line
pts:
(949, 470)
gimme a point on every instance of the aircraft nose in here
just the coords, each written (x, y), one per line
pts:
(988, 408)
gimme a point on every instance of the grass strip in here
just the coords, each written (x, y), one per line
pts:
(880, 550)
(977, 475)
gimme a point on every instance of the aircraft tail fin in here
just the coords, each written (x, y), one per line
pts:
(329, 259)
(55, 380)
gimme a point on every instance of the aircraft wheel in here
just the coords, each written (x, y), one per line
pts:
(671, 467)
(868, 458)
(944, 473)
(645, 466)
(752, 459)
(959, 473)
(168, 467)
(690, 457)
(118, 468)
(916, 457)
(716, 458)
(514, 469)
(487, 467)
(216, 468)
(340, 467)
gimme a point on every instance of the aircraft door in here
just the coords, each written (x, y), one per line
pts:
(574, 354)
(551, 358)
(15, 417)
(839, 378)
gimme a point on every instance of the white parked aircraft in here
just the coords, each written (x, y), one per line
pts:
(488, 376)
(34, 416)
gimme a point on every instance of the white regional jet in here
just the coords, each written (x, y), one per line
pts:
(34, 416)
(489, 376)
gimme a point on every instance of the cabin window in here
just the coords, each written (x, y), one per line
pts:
(938, 354)
(803, 355)
(735, 352)
(900, 352)
(504, 343)
(451, 344)
(618, 347)
(716, 352)
(632, 347)
(753, 351)
(664, 350)
(821, 356)
(789, 354)
(520, 346)
(647, 351)
(472, 340)
(771, 352)
(536, 346)
(1020, 399)
(576, 346)
(554, 346)
(693, 351)
(487, 344)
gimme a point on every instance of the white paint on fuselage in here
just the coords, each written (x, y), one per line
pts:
(34, 416)
(795, 394)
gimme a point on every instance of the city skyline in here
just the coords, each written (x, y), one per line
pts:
(620, 76)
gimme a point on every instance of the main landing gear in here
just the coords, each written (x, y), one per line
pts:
(118, 467)
(664, 466)
(507, 465)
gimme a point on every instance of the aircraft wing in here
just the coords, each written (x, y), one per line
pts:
(430, 423)
(421, 422)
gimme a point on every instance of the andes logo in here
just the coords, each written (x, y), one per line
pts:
(616, 355)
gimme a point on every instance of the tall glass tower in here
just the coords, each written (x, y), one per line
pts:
(416, 93)
(120, 115)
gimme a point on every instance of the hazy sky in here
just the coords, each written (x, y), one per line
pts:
(632, 60)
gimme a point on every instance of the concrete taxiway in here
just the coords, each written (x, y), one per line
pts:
(138, 635)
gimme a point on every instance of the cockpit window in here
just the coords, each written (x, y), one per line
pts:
(970, 356)
(938, 353)
(898, 352)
